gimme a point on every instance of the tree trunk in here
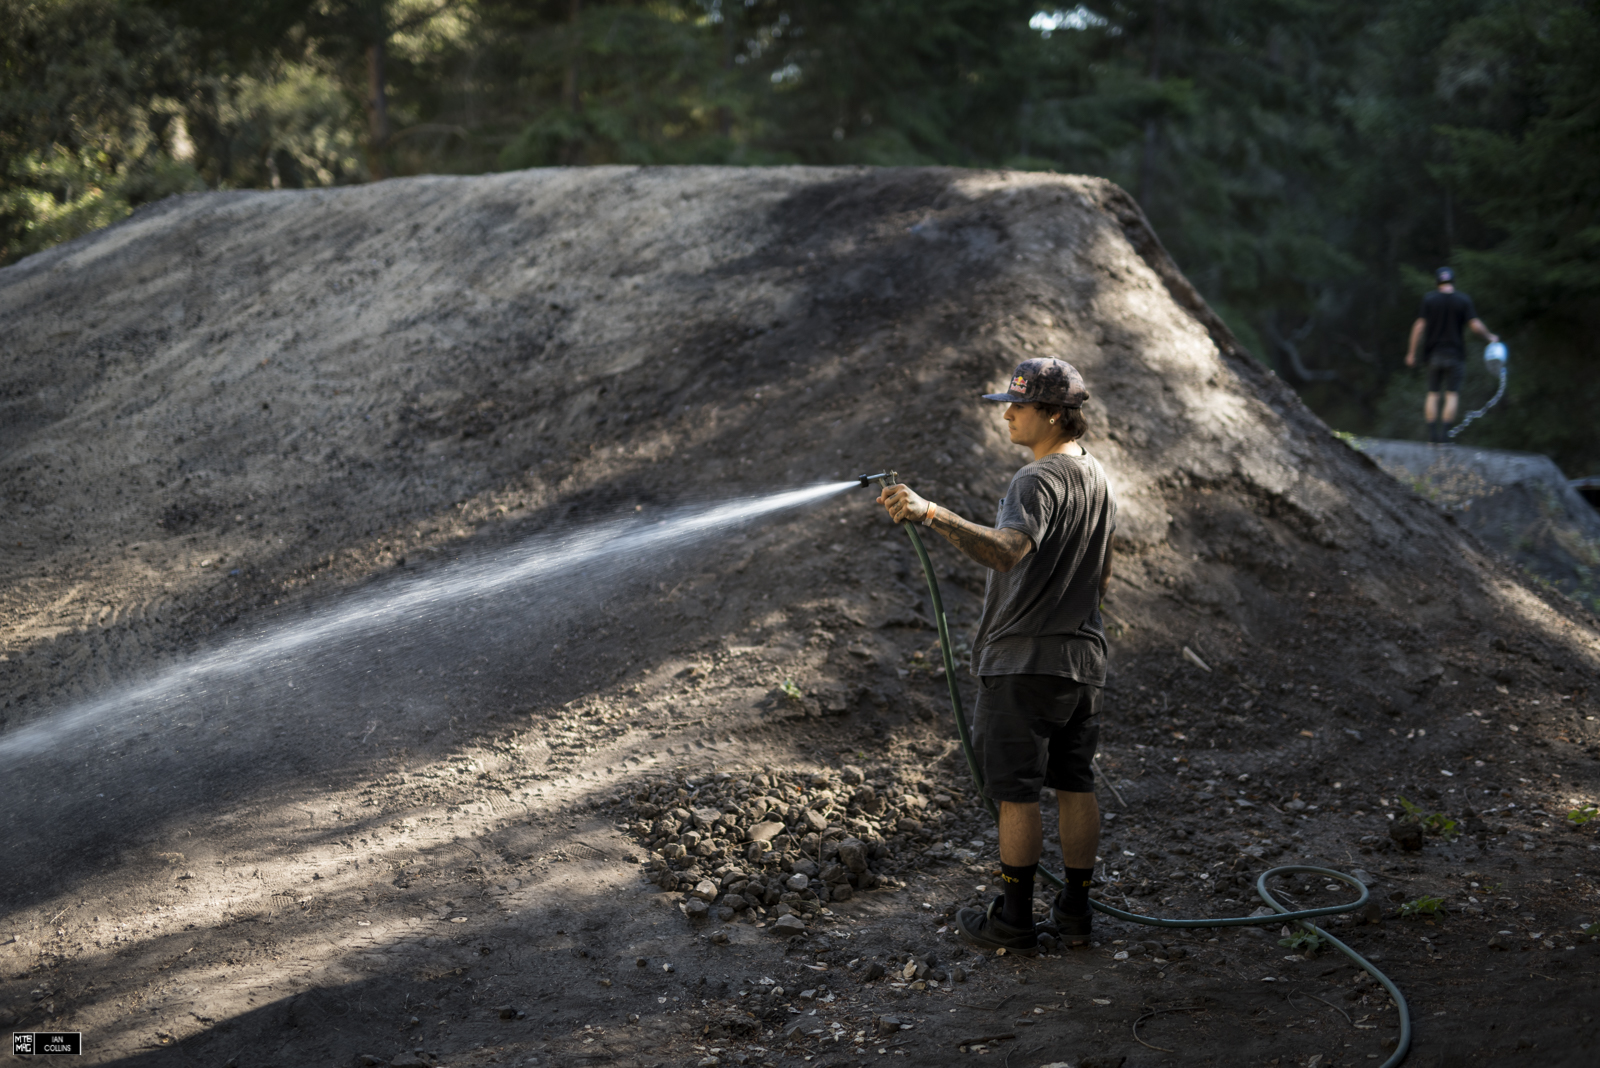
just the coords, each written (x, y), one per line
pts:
(569, 84)
(1147, 157)
(725, 113)
(377, 112)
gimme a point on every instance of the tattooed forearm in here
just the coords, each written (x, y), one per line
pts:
(1001, 550)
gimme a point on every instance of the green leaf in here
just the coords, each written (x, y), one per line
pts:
(1422, 907)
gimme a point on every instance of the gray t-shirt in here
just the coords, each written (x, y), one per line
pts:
(1043, 616)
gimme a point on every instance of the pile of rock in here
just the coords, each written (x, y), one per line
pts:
(774, 842)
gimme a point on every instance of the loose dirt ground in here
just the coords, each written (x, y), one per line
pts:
(235, 410)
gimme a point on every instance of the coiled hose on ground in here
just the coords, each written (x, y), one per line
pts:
(1283, 915)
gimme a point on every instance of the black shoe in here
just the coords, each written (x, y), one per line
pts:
(1073, 930)
(985, 928)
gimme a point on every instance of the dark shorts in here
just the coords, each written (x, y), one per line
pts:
(1444, 374)
(1033, 731)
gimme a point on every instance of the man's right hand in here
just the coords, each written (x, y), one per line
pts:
(902, 504)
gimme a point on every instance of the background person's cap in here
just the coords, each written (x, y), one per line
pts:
(1444, 274)
(1044, 381)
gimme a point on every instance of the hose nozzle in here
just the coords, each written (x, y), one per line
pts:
(882, 478)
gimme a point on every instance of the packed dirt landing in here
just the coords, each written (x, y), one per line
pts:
(453, 841)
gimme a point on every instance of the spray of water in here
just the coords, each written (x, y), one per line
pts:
(538, 574)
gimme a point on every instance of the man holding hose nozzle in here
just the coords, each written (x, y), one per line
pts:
(1040, 648)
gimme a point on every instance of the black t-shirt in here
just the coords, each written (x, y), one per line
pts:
(1043, 617)
(1445, 314)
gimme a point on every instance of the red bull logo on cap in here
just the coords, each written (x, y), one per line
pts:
(1043, 380)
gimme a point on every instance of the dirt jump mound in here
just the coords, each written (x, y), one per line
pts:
(313, 780)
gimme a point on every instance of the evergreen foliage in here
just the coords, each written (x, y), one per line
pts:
(90, 117)
(1308, 162)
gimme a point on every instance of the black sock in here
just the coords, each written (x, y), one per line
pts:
(1018, 884)
(1074, 899)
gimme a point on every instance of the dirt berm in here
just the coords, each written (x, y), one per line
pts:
(467, 839)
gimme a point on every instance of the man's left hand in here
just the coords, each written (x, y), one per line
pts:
(902, 504)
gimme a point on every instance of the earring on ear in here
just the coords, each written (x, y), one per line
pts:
(1052, 422)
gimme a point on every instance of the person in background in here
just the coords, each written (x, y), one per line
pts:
(1040, 649)
(1438, 332)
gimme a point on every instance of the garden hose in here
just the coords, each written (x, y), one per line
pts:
(1494, 358)
(1282, 913)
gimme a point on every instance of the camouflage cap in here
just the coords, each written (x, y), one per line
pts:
(1044, 381)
